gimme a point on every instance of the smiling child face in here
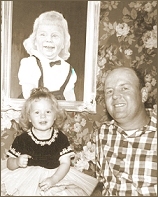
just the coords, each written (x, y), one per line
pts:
(49, 40)
(42, 114)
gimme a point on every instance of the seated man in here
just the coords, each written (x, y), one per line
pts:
(126, 146)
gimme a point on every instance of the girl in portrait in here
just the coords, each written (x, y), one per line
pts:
(48, 47)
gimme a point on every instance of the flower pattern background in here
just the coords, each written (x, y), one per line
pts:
(127, 36)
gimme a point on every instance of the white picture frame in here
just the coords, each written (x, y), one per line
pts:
(91, 53)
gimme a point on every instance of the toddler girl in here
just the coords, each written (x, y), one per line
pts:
(39, 159)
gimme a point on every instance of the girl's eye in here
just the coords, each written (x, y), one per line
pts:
(48, 112)
(54, 35)
(42, 34)
(36, 112)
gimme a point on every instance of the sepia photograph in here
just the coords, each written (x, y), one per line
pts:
(78, 98)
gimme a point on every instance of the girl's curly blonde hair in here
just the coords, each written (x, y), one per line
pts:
(37, 94)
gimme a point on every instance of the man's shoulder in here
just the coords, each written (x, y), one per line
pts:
(152, 112)
(153, 118)
(107, 124)
(154, 109)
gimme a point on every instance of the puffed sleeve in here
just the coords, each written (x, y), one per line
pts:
(16, 147)
(29, 72)
(64, 145)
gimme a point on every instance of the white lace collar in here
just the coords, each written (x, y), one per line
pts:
(44, 142)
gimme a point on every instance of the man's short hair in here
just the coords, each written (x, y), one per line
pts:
(138, 74)
(140, 77)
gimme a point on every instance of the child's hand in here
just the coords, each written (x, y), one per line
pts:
(22, 160)
(47, 183)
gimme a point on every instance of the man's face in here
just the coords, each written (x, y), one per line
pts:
(122, 95)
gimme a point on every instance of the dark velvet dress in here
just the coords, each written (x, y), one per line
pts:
(43, 164)
(44, 153)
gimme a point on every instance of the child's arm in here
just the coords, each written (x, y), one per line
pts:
(28, 75)
(21, 161)
(69, 92)
(26, 90)
(58, 175)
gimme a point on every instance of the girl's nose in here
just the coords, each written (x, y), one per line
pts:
(48, 38)
(42, 115)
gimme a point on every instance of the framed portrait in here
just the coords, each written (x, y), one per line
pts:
(83, 22)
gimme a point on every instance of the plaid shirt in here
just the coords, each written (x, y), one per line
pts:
(127, 164)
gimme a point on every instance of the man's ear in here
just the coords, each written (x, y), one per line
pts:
(144, 93)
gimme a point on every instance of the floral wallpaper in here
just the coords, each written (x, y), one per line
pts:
(127, 36)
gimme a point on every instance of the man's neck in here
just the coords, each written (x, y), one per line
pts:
(142, 119)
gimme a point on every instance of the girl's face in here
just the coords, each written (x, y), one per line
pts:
(42, 115)
(49, 40)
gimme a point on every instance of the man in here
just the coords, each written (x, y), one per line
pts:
(126, 146)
